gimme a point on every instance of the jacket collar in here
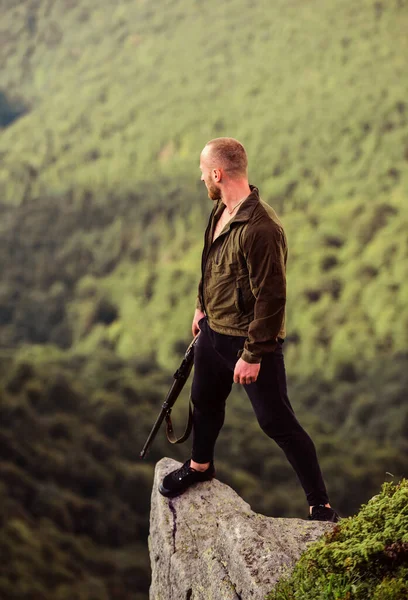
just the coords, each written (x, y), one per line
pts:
(245, 210)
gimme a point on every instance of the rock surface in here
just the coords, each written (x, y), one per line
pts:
(207, 544)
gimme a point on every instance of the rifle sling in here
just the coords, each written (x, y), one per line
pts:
(170, 431)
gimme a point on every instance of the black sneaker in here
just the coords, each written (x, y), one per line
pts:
(178, 481)
(320, 512)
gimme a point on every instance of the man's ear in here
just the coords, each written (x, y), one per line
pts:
(217, 174)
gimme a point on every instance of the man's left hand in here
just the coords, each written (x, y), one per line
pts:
(246, 372)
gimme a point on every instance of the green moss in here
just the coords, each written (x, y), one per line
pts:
(365, 556)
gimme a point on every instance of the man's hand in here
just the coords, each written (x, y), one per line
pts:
(246, 372)
(197, 316)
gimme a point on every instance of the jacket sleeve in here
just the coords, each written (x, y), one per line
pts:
(265, 251)
(198, 301)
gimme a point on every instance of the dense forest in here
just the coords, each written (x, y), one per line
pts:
(104, 109)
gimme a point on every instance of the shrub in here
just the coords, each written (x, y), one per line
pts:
(365, 556)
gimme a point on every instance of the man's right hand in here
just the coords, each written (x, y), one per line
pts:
(199, 314)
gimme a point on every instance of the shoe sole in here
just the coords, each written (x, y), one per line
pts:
(169, 493)
(336, 520)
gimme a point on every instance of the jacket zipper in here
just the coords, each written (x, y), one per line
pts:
(217, 256)
(205, 256)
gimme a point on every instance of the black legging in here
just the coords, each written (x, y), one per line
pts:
(214, 361)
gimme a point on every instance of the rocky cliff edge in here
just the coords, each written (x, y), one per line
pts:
(207, 544)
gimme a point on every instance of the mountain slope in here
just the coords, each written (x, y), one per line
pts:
(121, 92)
(119, 100)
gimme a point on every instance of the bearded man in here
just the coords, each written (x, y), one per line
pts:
(240, 316)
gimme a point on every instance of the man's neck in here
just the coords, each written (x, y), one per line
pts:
(235, 193)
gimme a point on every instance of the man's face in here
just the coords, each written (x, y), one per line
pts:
(207, 175)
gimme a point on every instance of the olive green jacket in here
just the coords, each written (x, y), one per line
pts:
(243, 276)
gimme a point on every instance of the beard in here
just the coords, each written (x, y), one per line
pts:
(214, 192)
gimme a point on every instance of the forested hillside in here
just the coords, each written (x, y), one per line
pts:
(120, 99)
(104, 109)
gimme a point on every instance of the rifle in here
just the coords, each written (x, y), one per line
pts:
(180, 378)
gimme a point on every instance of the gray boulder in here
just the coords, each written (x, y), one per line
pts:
(207, 544)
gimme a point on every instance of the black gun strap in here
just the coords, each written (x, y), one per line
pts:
(170, 431)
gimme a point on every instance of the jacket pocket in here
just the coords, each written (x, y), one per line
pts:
(239, 300)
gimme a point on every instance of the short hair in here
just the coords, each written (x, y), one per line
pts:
(229, 154)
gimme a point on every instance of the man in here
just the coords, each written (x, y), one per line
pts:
(240, 316)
